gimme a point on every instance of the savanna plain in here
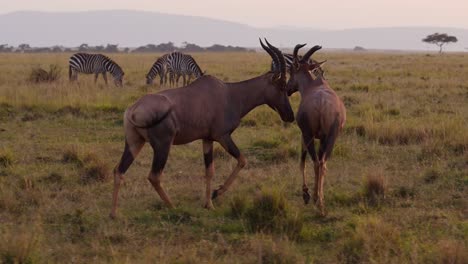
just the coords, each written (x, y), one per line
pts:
(395, 189)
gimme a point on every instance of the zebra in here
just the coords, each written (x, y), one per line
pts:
(319, 72)
(158, 68)
(180, 64)
(94, 63)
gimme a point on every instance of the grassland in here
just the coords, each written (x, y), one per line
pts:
(407, 131)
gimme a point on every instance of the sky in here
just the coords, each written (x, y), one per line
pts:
(328, 14)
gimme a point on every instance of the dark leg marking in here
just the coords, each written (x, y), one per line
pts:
(208, 158)
(126, 160)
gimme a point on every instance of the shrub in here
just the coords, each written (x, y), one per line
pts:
(276, 251)
(405, 192)
(19, 246)
(6, 158)
(375, 188)
(39, 75)
(271, 213)
(92, 168)
(238, 206)
(432, 175)
(70, 155)
(452, 251)
(372, 241)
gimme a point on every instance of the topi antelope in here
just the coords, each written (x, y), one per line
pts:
(207, 109)
(321, 115)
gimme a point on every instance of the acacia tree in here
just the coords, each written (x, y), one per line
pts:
(439, 39)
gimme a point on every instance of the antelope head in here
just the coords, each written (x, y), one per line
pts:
(276, 93)
(302, 67)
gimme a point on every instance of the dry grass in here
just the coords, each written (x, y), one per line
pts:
(407, 123)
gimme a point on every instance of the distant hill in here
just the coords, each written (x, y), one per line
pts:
(136, 28)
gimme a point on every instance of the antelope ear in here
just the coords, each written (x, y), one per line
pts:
(316, 65)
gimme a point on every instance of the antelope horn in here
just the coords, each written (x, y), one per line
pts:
(269, 51)
(310, 52)
(296, 50)
(282, 62)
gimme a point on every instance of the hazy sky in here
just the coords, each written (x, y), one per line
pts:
(326, 14)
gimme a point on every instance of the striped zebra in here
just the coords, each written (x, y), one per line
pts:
(289, 60)
(180, 64)
(158, 68)
(94, 63)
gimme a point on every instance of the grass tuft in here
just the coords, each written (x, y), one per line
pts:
(6, 158)
(92, 168)
(19, 245)
(271, 213)
(276, 251)
(372, 241)
(375, 188)
(238, 206)
(432, 175)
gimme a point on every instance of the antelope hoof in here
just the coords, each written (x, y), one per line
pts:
(306, 195)
(322, 211)
(209, 206)
(316, 199)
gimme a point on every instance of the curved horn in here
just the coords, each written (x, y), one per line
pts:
(310, 52)
(282, 62)
(270, 52)
(296, 49)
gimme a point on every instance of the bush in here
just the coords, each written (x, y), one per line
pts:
(19, 246)
(238, 206)
(279, 252)
(92, 168)
(375, 188)
(270, 213)
(39, 75)
(6, 158)
(452, 251)
(94, 171)
(373, 241)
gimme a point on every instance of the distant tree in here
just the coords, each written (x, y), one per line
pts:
(83, 47)
(359, 48)
(56, 49)
(24, 47)
(220, 48)
(166, 47)
(111, 48)
(5, 48)
(99, 48)
(439, 39)
(189, 47)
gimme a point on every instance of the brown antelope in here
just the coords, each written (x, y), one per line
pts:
(321, 115)
(208, 109)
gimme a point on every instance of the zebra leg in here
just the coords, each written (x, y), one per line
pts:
(95, 77)
(104, 75)
(189, 78)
